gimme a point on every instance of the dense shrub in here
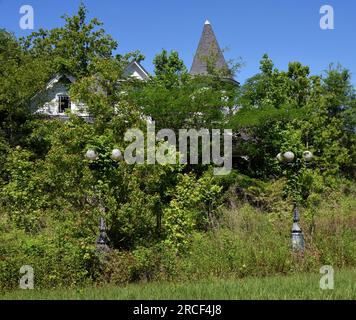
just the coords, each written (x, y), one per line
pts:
(56, 260)
(192, 208)
(244, 241)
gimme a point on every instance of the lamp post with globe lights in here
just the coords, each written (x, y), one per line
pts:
(92, 156)
(289, 160)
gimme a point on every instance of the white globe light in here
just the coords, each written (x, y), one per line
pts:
(308, 156)
(280, 157)
(289, 156)
(91, 155)
(116, 154)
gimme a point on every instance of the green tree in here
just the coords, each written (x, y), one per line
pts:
(21, 77)
(169, 66)
(73, 47)
(295, 111)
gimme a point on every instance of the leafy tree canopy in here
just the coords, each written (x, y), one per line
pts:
(73, 47)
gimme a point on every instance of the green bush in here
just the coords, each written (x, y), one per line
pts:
(117, 268)
(56, 261)
(192, 208)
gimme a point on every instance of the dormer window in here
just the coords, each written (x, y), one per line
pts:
(63, 103)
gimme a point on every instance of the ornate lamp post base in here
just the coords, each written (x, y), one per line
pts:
(102, 242)
(297, 234)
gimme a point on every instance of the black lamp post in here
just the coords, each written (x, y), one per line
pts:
(102, 242)
(297, 233)
(297, 236)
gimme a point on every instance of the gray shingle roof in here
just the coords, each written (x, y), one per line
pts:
(208, 47)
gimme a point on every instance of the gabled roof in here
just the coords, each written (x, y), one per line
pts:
(130, 70)
(58, 77)
(135, 69)
(208, 47)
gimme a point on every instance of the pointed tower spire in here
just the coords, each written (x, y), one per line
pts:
(208, 47)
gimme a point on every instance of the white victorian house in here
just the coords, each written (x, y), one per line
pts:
(54, 100)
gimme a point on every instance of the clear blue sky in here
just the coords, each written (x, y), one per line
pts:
(288, 30)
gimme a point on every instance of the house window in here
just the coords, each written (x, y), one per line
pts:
(63, 103)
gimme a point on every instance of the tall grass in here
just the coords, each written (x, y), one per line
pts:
(249, 242)
(245, 242)
(300, 286)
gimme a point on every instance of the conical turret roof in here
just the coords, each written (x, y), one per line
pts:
(208, 48)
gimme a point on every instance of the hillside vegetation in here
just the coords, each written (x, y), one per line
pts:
(174, 222)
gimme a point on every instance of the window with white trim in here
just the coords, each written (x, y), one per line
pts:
(63, 103)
